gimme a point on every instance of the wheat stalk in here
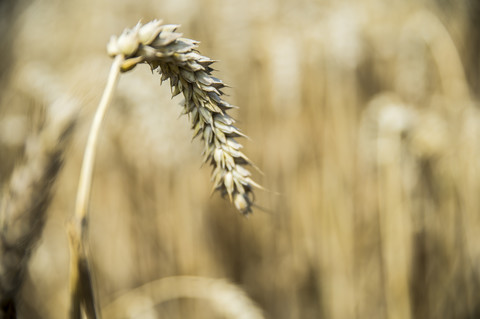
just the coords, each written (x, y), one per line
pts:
(190, 73)
(227, 299)
(81, 290)
(25, 202)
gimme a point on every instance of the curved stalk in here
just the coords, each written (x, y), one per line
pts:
(81, 289)
(85, 181)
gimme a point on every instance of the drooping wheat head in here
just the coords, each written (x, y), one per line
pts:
(176, 58)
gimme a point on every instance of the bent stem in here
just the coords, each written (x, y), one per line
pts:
(80, 280)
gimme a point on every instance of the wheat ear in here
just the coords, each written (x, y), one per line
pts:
(190, 73)
(24, 205)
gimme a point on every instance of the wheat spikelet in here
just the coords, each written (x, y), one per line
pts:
(24, 204)
(177, 59)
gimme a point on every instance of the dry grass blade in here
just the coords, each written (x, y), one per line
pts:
(442, 48)
(176, 58)
(228, 299)
(25, 202)
(82, 294)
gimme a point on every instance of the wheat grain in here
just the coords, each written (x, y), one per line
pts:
(190, 73)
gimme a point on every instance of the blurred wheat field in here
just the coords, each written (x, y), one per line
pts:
(363, 116)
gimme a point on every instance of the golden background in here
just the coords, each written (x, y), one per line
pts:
(362, 115)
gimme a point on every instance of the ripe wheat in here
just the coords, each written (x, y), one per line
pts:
(190, 73)
(25, 202)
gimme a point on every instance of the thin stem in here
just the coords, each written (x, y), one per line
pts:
(85, 181)
(81, 289)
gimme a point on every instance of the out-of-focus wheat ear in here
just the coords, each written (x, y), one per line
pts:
(226, 298)
(25, 201)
